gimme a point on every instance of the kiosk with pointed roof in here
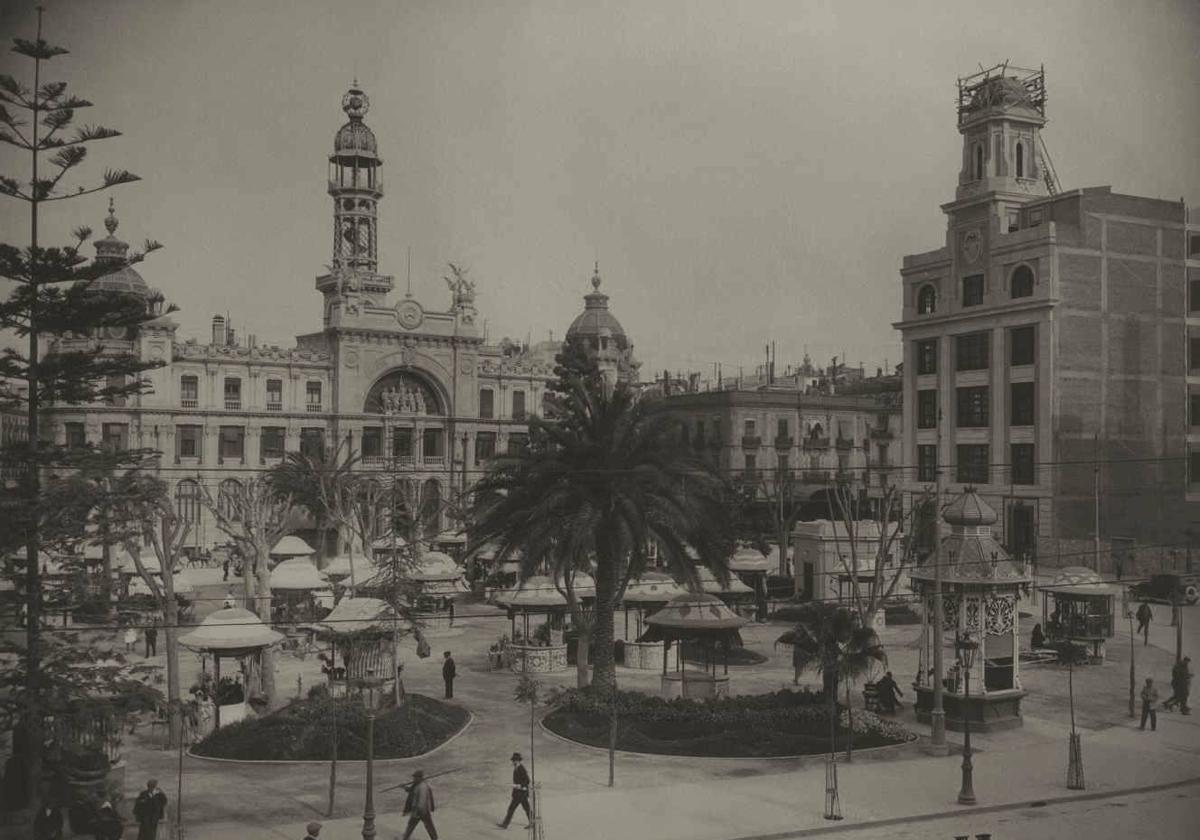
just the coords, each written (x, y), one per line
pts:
(981, 591)
(230, 632)
(706, 620)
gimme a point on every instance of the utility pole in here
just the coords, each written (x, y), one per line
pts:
(1096, 499)
(937, 717)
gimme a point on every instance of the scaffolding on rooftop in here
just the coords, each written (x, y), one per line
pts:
(977, 91)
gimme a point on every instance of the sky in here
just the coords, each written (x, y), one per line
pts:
(744, 172)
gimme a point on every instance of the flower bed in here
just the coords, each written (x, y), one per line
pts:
(777, 724)
(303, 731)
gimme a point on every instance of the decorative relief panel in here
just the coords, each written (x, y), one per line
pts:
(1001, 614)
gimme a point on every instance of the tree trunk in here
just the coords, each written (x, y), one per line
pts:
(106, 566)
(581, 659)
(604, 666)
(849, 725)
(170, 634)
(263, 608)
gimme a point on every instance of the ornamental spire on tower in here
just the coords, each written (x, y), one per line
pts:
(356, 187)
(110, 249)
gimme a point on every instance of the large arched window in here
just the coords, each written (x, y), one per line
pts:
(927, 300)
(229, 499)
(1020, 160)
(1021, 283)
(187, 500)
(978, 161)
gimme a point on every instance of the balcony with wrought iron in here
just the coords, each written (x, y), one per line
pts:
(433, 461)
(784, 442)
(313, 406)
(815, 476)
(751, 441)
(374, 462)
(233, 404)
(882, 434)
(816, 443)
(186, 402)
(274, 406)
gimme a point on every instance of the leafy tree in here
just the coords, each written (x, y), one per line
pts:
(833, 641)
(53, 302)
(602, 477)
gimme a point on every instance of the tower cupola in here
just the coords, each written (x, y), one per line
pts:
(356, 187)
(1001, 112)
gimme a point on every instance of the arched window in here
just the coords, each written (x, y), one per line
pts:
(228, 499)
(187, 500)
(1020, 160)
(1021, 283)
(979, 162)
(927, 300)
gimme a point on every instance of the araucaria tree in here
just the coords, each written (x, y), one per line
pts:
(604, 477)
(52, 301)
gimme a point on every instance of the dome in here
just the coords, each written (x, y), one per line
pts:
(652, 588)
(969, 511)
(231, 631)
(747, 559)
(537, 591)
(596, 322)
(355, 138)
(122, 280)
(292, 546)
(711, 586)
(434, 565)
(696, 611)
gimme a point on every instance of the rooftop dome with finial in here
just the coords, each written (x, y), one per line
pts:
(112, 251)
(596, 322)
(355, 138)
(969, 511)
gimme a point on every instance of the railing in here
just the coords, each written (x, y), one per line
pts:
(374, 461)
(784, 442)
(232, 404)
(274, 406)
(816, 443)
(188, 403)
(751, 441)
(404, 460)
(313, 407)
(814, 476)
(433, 460)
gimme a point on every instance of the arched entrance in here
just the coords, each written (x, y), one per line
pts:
(404, 391)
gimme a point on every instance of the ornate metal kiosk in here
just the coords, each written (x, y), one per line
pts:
(299, 592)
(536, 596)
(362, 635)
(645, 595)
(230, 632)
(981, 589)
(1078, 606)
(697, 617)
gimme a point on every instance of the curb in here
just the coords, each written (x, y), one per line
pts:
(967, 810)
(387, 762)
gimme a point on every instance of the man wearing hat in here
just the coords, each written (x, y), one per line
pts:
(312, 830)
(419, 805)
(449, 671)
(149, 808)
(520, 791)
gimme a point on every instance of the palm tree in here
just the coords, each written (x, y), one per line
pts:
(603, 477)
(831, 640)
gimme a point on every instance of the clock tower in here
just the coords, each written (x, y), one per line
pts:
(355, 186)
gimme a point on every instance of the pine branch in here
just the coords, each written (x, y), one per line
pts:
(13, 92)
(15, 138)
(51, 90)
(54, 120)
(112, 178)
(10, 186)
(39, 49)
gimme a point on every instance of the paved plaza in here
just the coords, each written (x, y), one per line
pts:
(675, 797)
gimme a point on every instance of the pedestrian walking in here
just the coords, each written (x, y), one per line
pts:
(225, 572)
(1149, 701)
(419, 806)
(1144, 616)
(312, 830)
(1181, 686)
(108, 824)
(449, 670)
(148, 809)
(151, 641)
(889, 690)
(48, 824)
(520, 792)
(130, 639)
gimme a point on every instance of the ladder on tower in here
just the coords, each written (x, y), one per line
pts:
(1048, 173)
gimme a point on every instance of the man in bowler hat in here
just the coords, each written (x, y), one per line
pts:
(520, 791)
(448, 672)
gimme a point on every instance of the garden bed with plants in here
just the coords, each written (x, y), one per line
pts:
(303, 731)
(784, 723)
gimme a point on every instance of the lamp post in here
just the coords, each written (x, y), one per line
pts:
(369, 694)
(1132, 648)
(965, 647)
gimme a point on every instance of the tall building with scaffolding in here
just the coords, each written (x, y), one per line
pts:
(1045, 360)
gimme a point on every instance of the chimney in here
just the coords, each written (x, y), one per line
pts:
(230, 337)
(252, 340)
(218, 330)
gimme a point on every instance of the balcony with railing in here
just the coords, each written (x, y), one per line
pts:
(784, 442)
(883, 434)
(433, 460)
(274, 406)
(814, 476)
(233, 403)
(816, 443)
(313, 406)
(188, 402)
(751, 441)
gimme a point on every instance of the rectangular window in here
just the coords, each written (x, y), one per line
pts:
(972, 466)
(76, 435)
(372, 442)
(433, 443)
(927, 462)
(487, 405)
(781, 429)
(189, 391)
(1193, 353)
(312, 442)
(1022, 348)
(115, 435)
(232, 444)
(1022, 463)
(1194, 296)
(927, 356)
(402, 443)
(972, 290)
(971, 407)
(271, 442)
(749, 427)
(971, 351)
(518, 405)
(274, 395)
(1193, 411)
(1021, 404)
(927, 409)
(233, 393)
(517, 442)
(485, 446)
(187, 441)
(882, 457)
(312, 393)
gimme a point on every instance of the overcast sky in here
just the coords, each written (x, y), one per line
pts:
(744, 172)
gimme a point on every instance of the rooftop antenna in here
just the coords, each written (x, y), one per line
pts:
(408, 281)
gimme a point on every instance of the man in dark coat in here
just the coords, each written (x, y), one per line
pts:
(148, 809)
(151, 641)
(520, 791)
(1181, 685)
(48, 824)
(1144, 616)
(1149, 700)
(419, 806)
(448, 672)
(108, 824)
(888, 692)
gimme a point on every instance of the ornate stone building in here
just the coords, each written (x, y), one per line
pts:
(414, 389)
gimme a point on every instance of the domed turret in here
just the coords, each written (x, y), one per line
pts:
(356, 188)
(603, 336)
(969, 511)
(111, 251)
(355, 137)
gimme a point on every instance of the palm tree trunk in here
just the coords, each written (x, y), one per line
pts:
(263, 608)
(849, 724)
(604, 666)
(581, 659)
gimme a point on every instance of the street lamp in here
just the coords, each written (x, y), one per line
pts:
(965, 648)
(369, 692)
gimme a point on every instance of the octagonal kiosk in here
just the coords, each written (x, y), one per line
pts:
(291, 546)
(439, 580)
(645, 595)
(299, 592)
(230, 632)
(1078, 607)
(701, 618)
(362, 634)
(981, 589)
(752, 565)
(536, 596)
